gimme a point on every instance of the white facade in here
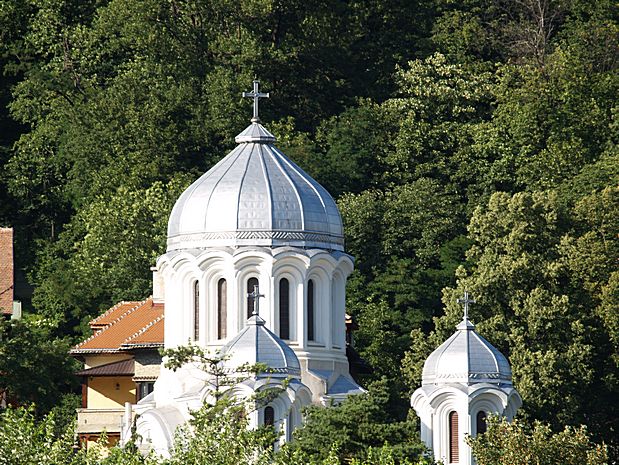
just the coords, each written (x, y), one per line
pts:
(254, 218)
(465, 377)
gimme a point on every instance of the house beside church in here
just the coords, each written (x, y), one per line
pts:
(121, 363)
(9, 306)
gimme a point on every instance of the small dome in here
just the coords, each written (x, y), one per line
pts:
(256, 344)
(468, 358)
(255, 196)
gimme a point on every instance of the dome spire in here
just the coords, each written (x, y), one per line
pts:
(255, 132)
(465, 301)
(256, 95)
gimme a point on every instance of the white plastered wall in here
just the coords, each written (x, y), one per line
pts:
(180, 270)
(434, 406)
(328, 270)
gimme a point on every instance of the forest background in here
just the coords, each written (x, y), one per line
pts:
(470, 145)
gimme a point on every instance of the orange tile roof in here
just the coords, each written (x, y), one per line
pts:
(140, 324)
(112, 314)
(151, 334)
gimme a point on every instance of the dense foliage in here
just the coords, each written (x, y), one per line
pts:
(218, 435)
(518, 444)
(470, 145)
(215, 435)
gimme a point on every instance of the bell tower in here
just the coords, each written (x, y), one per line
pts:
(464, 380)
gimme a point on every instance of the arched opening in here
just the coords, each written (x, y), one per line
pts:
(481, 422)
(454, 456)
(196, 310)
(310, 310)
(284, 308)
(269, 416)
(251, 282)
(222, 308)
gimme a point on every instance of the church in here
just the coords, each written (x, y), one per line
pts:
(255, 271)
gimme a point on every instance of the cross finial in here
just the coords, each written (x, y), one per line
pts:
(256, 95)
(256, 296)
(466, 301)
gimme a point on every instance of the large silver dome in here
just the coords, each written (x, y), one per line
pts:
(468, 358)
(255, 196)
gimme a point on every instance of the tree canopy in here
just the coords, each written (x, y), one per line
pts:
(469, 145)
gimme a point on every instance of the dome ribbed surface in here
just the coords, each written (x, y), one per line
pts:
(468, 358)
(257, 344)
(255, 196)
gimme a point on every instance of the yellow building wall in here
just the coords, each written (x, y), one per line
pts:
(103, 391)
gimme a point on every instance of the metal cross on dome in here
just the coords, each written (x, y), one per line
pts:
(256, 95)
(256, 296)
(466, 301)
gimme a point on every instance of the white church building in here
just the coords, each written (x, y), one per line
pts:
(255, 232)
(255, 272)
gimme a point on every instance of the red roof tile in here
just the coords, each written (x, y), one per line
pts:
(112, 314)
(132, 324)
(6, 271)
(150, 335)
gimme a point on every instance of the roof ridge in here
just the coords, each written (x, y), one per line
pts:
(111, 323)
(123, 315)
(489, 347)
(109, 310)
(143, 329)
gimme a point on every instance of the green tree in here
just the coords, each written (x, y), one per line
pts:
(26, 439)
(541, 282)
(517, 443)
(127, 93)
(105, 253)
(353, 146)
(355, 426)
(407, 243)
(437, 106)
(35, 366)
(23, 439)
(219, 435)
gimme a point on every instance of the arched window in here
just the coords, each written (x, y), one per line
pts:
(454, 456)
(269, 416)
(251, 282)
(310, 310)
(222, 308)
(196, 310)
(481, 422)
(284, 309)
